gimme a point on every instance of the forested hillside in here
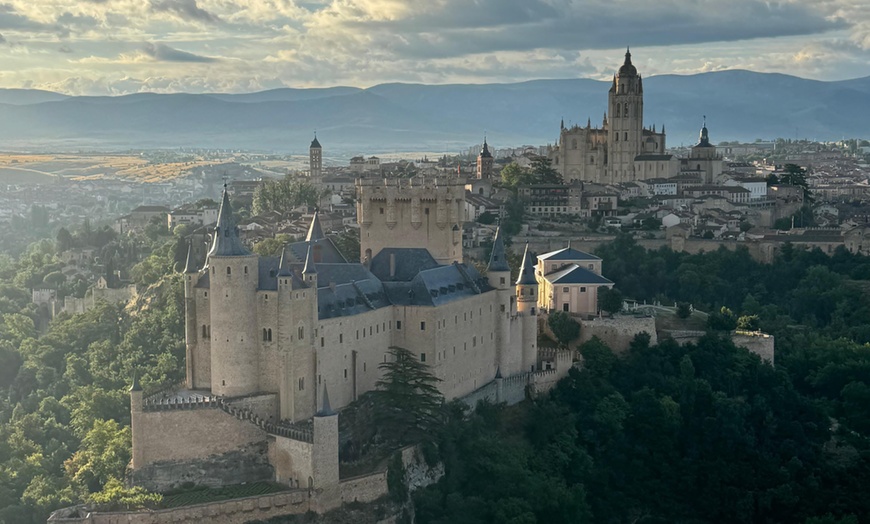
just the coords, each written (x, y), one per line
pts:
(700, 433)
(64, 404)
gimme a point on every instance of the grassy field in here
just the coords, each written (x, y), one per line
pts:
(667, 320)
(202, 495)
(34, 169)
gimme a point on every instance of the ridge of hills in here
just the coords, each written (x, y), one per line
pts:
(739, 105)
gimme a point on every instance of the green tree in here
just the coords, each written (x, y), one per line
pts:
(564, 327)
(512, 176)
(748, 323)
(543, 171)
(795, 175)
(486, 218)
(684, 310)
(722, 320)
(610, 299)
(407, 403)
(64, 240)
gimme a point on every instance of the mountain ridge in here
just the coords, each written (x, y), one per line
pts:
(739, 105)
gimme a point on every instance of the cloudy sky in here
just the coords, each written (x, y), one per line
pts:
(124, 46)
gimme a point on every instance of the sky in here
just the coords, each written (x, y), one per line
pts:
(100, 47)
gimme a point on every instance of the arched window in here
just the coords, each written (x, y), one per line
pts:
(269, 333)
(626, 110)
(301, 332)
(618, 111)
(626, 136)
(616, 137)
(264, 335)
(204, 332)
(229, 270)
(591, 159)
(246, 270)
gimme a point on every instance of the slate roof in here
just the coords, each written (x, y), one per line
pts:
(653, 157)
(567, 253)
(575, 274)
(226, 241)
(437, 286)
(408, 262)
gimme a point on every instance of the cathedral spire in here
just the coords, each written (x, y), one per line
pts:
(498, 260)
(484, 152)
(226, 241)
(704, 140)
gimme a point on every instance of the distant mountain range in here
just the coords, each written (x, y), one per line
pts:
(739, 105)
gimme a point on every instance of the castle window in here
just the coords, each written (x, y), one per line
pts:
(265, 338)
(501, 281)
(382, 211)
(426, 211)
(565, 307)
(340, 338)
(322, 342)
(301, 332)
(618, 111)
(626, 135)
(474, 341)
(533, 311)
(626, 110)
(591, 159)
(246, 270)
(583, 290)
(422, 357)
(345, 372)
(422, 326)
(269, 334)
(229, 270)
(212, 271)
(502, 308)
(301, 383)
(564, 290)
(616, 137)
(398, 324)
(205, 294)
(204, 331)
(364, 367)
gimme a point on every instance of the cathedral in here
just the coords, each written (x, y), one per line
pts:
(622, 149)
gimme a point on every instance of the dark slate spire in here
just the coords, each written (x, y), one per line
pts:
(309, 262)
(189, 264)
(498, 260)
(226, 241)
(284, 263)
(704, 140)
(325, 408)
(484, 153)
(314, 143)
(315, 232)
(527, 270)
(135, 386)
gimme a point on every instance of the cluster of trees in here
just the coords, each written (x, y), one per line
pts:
(284, 195)
(64, 404)
(540, 172)
(704, 432)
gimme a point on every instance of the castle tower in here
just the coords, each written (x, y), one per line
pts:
(136, 403)
(419, 212)
(324, 456)
(625, 126)
(499, 273)
(484, 162)
(527, 300)
(315, 162)
(233, 282)
(192, 339)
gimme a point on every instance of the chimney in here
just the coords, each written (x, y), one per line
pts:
(392, 265)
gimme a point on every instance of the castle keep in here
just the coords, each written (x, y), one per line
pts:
(275, 345)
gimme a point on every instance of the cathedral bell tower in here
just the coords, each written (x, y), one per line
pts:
(484, 162)
(625, 130)
(315, 162)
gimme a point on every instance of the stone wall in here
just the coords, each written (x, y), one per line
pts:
(248, 464)
(265, 406)
(761, 344)
(236, 511)
(618, 332)
(364, 488)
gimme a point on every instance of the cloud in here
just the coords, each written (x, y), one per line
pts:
(64, 49)
(164, 53)
(186, 10)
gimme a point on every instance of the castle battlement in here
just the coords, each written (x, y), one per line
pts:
(417, 182)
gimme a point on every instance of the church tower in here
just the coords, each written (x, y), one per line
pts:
(484, 162)
(704, 157)
(315, 162)
(233, 281)
(625, 130)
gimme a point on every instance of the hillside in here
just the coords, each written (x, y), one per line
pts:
(740, 105)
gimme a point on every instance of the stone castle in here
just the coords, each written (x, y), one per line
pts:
(275, 345)
(622, 149)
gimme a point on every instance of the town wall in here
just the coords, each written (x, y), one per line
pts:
(265, 406)
(617, 332)
(291, 459)
(364, 488)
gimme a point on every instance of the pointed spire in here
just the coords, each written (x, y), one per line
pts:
(704, 140)
(284, 263)
(527, 270)
(605, 118)
(498, 259)
(189, 264)
(498, 372)
(588, 122)
(226, 242)
(663, 129)
(563, 124)
(315, 144)
(135, 386)
(627, 55)
(309, 268)
(315, 232)
(484, 152)
(325, 408)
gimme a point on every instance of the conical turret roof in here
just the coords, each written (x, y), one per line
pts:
(226, 242)
(498, 260)
(284, 263)
(325, 408)
(309, 262)
(527, 270)
(315, 232)
(189, 263)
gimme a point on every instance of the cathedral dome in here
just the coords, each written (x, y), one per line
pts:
(627, 68)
